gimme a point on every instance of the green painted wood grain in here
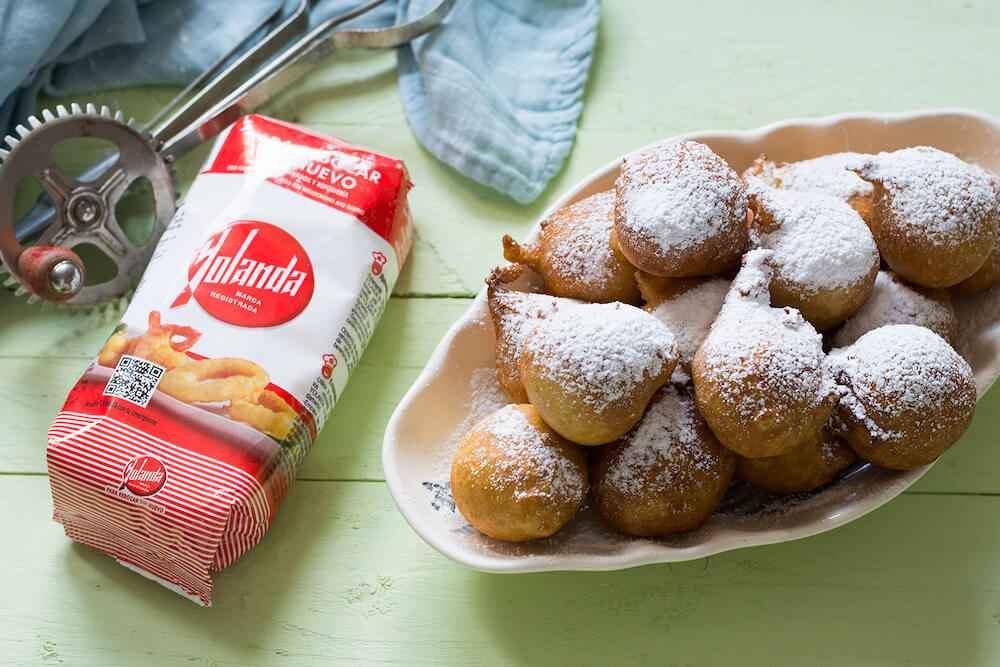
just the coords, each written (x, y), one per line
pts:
(340, 577)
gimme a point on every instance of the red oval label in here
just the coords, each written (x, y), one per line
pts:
(252, 274)
(144, 476)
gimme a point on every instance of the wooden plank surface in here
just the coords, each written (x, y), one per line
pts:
(341, 578)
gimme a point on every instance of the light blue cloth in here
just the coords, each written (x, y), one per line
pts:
(495, 92)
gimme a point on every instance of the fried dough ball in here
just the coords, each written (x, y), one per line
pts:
(825, 260)
(680, 211)
(909, 396)
(515, 479)
(591, 370)
(987, 276)
(515, 315)
(760, 377)
(826, 174)
(657, 289)
(934, 216)
(667, 475)
(688, 306)
(809, 466)
(574, 254)
(895, 301)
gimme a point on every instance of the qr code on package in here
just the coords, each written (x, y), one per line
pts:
(134, 380)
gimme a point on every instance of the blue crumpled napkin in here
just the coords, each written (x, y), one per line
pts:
(495, 91)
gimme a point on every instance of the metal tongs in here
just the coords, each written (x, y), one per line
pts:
(245, 85)
(80, 209)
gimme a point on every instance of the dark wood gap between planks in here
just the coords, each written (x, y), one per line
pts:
(464, 296)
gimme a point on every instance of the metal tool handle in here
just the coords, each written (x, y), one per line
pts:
(222, 85)
(293, 63)
(178, 114)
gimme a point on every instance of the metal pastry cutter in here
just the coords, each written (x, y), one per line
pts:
(37, 250)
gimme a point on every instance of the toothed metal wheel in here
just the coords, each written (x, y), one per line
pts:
(84, 210)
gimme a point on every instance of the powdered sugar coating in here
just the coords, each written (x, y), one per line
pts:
(819, 241)
(515, 316)
(583, 251)
(753, 344)
(903, 374)
(827, 174)
(689, 315)
(521, 313)
(600, 352)
(934, 194)
(829, 451)
(524, 459)
(664, 451)
(892, 301)
(678, 195)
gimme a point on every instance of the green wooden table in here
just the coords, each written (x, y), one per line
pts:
(341, 577)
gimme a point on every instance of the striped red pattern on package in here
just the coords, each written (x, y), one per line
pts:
(87, 457)
(178, 444)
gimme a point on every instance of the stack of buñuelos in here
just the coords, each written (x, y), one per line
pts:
(697, 325)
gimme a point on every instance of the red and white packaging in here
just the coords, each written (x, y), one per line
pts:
(176, 447)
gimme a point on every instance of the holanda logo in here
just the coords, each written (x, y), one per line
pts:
(251, 274)
(144, 476)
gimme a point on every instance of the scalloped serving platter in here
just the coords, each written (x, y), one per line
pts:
(458, 386)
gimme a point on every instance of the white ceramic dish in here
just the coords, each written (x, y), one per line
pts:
(458, 386)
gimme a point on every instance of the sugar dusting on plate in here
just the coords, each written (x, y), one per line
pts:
(483, 397)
